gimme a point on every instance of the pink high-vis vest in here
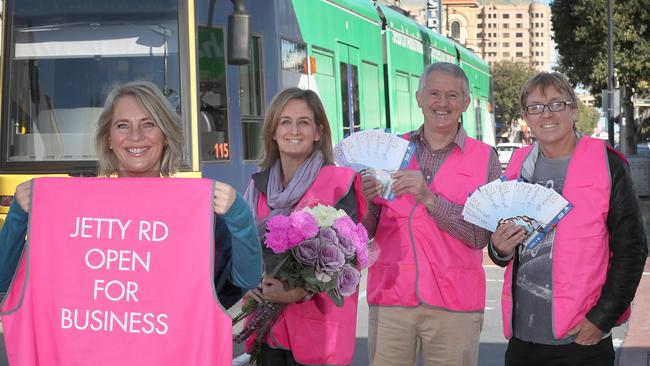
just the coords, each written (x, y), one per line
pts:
(118, 272)
(317, 331)
(580, 246)
(419, 262)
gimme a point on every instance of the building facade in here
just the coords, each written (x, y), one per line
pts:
(496, 30)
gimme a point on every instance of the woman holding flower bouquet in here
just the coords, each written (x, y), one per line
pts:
(298, 172)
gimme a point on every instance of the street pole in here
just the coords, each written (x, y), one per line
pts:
(610, 73)
(440, 16)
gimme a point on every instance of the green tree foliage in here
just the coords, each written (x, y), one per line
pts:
(508, 78)
(587, 118)
(580, 28)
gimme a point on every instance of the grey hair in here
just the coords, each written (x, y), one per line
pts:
(448, 68)
(156, 105)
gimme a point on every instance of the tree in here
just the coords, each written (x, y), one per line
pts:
(580, 28)
(587, 118)
(507, 80)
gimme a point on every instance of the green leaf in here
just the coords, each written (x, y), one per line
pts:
(336, 298)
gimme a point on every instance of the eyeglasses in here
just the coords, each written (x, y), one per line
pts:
(558, 106)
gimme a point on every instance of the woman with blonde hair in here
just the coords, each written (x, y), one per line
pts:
(139, 135)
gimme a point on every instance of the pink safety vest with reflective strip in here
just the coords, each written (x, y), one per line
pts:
(419, 262)
(580, 247)
(317, 331)
(168, 315)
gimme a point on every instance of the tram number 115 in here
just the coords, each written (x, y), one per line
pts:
(221, 150)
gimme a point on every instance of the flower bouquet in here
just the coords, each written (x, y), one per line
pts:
(319, 249)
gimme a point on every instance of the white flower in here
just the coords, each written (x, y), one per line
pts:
(325, 215)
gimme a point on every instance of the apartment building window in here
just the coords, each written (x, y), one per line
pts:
(519, 54)
(506, 44)
(481, 25)
(506, 54)
(519, 44)
(520, 25)
(506, 35)
(506, 16)
(541, 15)
(481, 15)
(519, 15)
(519, 35)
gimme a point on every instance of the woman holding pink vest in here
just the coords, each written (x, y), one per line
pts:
(562, 297)
(139, 136)
(298, 171)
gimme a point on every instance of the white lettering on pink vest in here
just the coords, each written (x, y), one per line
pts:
(138, 291)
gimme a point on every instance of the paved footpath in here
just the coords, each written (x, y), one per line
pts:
(636, 346)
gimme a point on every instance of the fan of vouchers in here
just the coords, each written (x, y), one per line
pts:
(537, 208)
(375, 152)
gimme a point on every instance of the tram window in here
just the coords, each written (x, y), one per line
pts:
(64, 64)
(251, 97)
(213, 117)
(350, 98)
(293, 56)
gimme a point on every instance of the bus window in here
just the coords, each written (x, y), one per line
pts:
(215, 144)
(65, 58)
(251, 101)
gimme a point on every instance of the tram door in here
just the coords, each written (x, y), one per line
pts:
(349, 76)
(213, 117)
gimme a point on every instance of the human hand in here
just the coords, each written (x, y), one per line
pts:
(588, 333)
(277, 291)
(412, 182)
(23, 195)
(255, 294)
(370, 186)
(506, 238)
(224, 196)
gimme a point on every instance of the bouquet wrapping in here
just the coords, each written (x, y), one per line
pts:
(319, 249)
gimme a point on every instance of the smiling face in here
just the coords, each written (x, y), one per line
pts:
(442, 102)
(553, 130)
(135, 139)
(296, 131)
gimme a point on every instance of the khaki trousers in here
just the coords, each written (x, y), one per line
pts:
(397, 334)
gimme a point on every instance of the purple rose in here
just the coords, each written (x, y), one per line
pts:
(330, 259)
(347, 247)
(328, 236)
(307, 252)
(348, 280)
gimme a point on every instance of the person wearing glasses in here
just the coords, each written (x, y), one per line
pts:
(562, 298)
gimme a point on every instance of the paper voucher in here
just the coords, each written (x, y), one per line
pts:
(375, 152)
(537, 208)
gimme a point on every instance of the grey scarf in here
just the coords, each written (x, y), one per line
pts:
(282, 200)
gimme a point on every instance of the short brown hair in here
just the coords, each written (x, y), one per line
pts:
(156, 105)
(543, 81)
(271, 152)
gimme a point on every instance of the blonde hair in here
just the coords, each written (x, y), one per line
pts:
(271, 152)
(154, 103)
(544, 81)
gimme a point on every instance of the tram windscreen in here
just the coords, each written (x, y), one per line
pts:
(66, 55)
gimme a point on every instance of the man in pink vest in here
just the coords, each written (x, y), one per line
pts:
(562, 297)
(428, 284)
